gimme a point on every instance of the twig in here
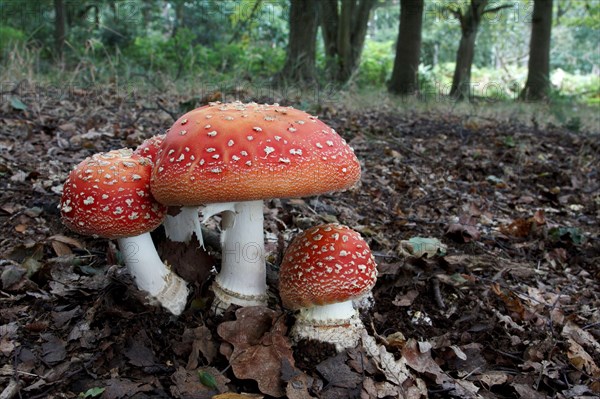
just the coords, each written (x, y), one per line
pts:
(437, 295)
(11, 389)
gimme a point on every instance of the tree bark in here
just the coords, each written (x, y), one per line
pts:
(461, 81)
(301, 52)
(179, 6)
(538, 75)
(59, 28)
(408, 48)
(469, 25)
(344, 30)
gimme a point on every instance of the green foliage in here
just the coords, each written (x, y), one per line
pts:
(10, 37)
(207, 379)
(92, 393)
(376, 64)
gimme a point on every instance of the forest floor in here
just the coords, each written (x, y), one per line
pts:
(505, 305)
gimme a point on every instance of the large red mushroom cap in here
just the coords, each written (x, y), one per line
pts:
(244, 152)
(324, 265)
(108, 195)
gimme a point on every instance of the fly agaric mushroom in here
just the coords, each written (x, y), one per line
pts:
(108, 195)
(323, 270)
(180, 227)
(232, 157)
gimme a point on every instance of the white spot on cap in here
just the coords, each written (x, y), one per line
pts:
(212, 134)
(181, 158)
(216, 156)
(230, 143)
(229, 118)
(136, 177)
(104, 196)
(171, 151)
(250, 138)
(183, 122)
(257, 129)
(183, 133)
(244, 153)
(284, 160)
(211, 149)
(129, 202)
(292, 129)
(88, 201)
(216, 170)
(207, 126)
(249, 163)
(344, 170)
(319, 145)
(235, 158)
(133, 216)
(118, 210)
(269, 150)
(329, 143)
(294, 151)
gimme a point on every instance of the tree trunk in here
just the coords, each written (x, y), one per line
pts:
(408, 48)
(300, 61)
(329, 28)
(538, 75)
(461, 81)
(179, 6)
(344, 30)
(59, 28)
(469, 24)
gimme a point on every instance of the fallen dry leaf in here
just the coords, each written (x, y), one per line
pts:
(259, 347)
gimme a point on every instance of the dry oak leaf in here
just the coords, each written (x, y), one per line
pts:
(259, 347)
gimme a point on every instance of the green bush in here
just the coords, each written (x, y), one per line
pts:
(376, 64)
(8, 38)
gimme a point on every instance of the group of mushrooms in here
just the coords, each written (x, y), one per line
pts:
(226, 158)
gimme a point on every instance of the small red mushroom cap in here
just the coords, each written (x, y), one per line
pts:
(244, 152)
(324, 265)
(108, 195)
(150, 147)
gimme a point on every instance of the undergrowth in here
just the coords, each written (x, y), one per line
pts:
(23, 68)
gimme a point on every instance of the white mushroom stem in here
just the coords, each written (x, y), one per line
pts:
(179, 228)
(242, 279)
(337, 324)
(151, 274)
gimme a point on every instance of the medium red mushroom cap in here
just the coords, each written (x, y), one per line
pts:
(150, 147)
(324, 265)
(244, 152)
(108, 195)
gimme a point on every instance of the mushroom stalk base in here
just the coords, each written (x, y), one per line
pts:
(337, 324)
(242, 279)
(152, 275)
